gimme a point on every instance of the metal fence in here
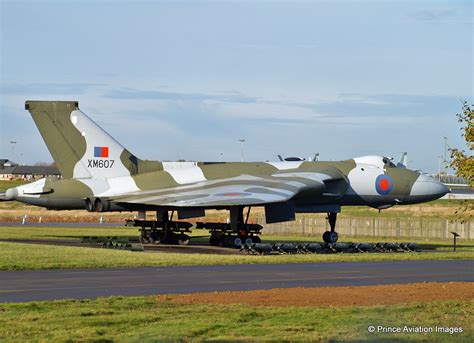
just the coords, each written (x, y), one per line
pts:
(373, 227)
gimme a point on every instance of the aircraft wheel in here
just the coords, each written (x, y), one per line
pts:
(248, 240)
(183, 240)
(330, 237)
(236, 242)
(155, 238)
(143, 239)
(89, 205)
(172, 238)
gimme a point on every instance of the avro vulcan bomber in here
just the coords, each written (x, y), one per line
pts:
(101, 175)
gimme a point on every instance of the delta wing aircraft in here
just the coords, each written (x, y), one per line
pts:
(99, 174)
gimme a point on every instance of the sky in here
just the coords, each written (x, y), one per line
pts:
(186, 79)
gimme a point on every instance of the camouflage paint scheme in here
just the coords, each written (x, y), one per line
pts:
(95, 166)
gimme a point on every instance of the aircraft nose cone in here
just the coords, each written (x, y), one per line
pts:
(11, 193)
(428, 188)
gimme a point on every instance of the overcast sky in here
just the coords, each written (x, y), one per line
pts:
(186, 80)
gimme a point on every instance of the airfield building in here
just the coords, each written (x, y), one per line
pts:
(10, 170)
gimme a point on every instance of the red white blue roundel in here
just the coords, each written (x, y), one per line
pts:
(383, 184)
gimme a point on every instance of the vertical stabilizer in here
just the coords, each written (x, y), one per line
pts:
(403, 162)
(80, 148)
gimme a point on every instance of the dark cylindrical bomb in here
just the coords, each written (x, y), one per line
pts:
(391, 246)
(409, 246)
(137, 247)
(404, 246)
(289, 248)
(262, 248)
(313, 247)
(341, 247)
(365, 247)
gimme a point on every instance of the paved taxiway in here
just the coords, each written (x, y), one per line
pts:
(90, 283)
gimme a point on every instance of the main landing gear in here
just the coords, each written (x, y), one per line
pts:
(331, 236)
(237, 233)
(234, 234)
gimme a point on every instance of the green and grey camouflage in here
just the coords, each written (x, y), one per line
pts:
(99, 174)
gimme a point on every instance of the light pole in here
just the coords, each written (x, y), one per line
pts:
(13, 148)
(242, 141)
(445, 155)
(440, 158)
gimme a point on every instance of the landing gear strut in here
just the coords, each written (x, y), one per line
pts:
(331, 236)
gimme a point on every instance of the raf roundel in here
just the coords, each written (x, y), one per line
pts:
(383, 184)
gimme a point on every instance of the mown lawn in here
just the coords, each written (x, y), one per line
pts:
(22, 256)
(61, 233)
(5, 184)
(145, 319)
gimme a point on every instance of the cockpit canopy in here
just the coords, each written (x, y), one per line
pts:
(379, 161)
(388, 162)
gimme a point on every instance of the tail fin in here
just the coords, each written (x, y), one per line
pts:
(80, 148)
(403, 162)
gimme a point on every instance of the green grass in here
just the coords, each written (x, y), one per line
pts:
(22, 256)
(144, 319)
(425, 210)
(4, 184)
(61, 233)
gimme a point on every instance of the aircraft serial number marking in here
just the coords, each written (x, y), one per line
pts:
(100, 163)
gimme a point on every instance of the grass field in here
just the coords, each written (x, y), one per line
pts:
(138, 319)
(72, 233)
(21, 256)
(5, 184)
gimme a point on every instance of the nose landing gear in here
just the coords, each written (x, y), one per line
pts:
(331, 236)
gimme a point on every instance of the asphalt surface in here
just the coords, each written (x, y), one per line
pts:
(22, 286)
